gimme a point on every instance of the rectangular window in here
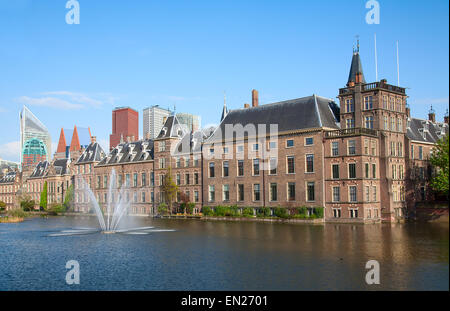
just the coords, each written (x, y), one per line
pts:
(291, 165)
(273, 192)
(240, 149)
(226, 169)
(196, 196)
(178, 179)
(256, 192)
(273, 166)
(240, 167)
(212, 193)
(152, 179)
(386, 123)
(352, 170)
(336, 213)
(127, 180)
(367, 192)
(309, 141)
(400, 125)
(255, 147)
(368, 102)
(352, 193)
(392, 124)
(369, 122)
(135, 180)
(187, 179)
(178, 162)
(374, 171)
(350, 107)
(226, 192)
(143, 179)
(352, 147)
(385, 102)
(291, 191)
(162, 163)
(240, 192)
(289, 143)
(335, 171)
(366, 170)
(336, 194)
(272, 145)
(412, 151)
(310, 193)
(353, 213)
(211, 170)
(310, 163)
(350, 123)
(255, 167)
(374, 193)
(143, 197)
(420, 153)
(196, 179)
(335, 148)
(162, 146)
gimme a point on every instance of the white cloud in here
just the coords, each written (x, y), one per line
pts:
(67, 100)
(51, 102)
(10, 151)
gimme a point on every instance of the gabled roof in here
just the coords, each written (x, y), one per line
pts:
(40, 170)
(425, 130)
(10, 177)
(297, 114)
(172, 128)
(92, 153)
(60, 167)
(134, 152)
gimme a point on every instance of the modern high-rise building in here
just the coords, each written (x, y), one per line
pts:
(125, 124)
(35, 139)
(154, 118)
(192, 121)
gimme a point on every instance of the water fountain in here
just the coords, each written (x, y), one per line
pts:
(115, 212)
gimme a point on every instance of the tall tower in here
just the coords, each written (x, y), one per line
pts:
(125, 123)
(153, 120)
(375, 116)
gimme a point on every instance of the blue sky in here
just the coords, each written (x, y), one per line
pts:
(187, 53)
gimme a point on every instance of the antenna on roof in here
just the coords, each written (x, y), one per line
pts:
(398, 67)
(376, 60)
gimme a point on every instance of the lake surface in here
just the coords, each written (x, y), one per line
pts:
(203, 255)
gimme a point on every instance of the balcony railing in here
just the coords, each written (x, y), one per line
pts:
(351, 132)
(373, 86)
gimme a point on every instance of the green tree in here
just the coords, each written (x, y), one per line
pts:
(439, 159)
(43, 203)
(26, 203)
(68, 199)
(169, 188)
(2, 206)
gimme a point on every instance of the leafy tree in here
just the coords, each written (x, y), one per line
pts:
(162, 208)
(68, 200)
(26, 203)
(2, 206)
(169, 188)
(439, 159)
(43, 203)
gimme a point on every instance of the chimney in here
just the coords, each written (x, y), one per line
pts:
(408, 111)
(446, 117)
(132, 138)
(93, 139)
(255, 99)
(246, 105)
(128, 139)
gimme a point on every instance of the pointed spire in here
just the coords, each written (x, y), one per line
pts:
(62, 143)
(356, 74)
(225, 109)
(75, 143)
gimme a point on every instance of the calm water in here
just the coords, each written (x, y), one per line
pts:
(224, 256)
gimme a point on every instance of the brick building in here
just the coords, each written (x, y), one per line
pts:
(125, 123)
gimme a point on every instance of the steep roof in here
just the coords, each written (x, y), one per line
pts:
(62, 142)
(40, 170)
(75, 142)
(10, 177)
(58, 167)
(92, 153)
(356, 68)
(134, 152)
(172, 128)
(425, 130)
(296, 114)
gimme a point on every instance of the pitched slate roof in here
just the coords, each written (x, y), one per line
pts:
(172, 128)
(192, 142)
(10, 177)
(356, 68)
(301, 113)
(93, 153)
(40, 170)
(134, 152)
(60, 166)
(425, 130)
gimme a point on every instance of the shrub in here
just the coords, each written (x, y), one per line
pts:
(56, 209)
(190, 208)
(303, 211)
(281, 212)
(264, 212)
(162, 208)
(318, 212)
(183, 207)
(207, 211)
(247, 212)
(17, 212)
